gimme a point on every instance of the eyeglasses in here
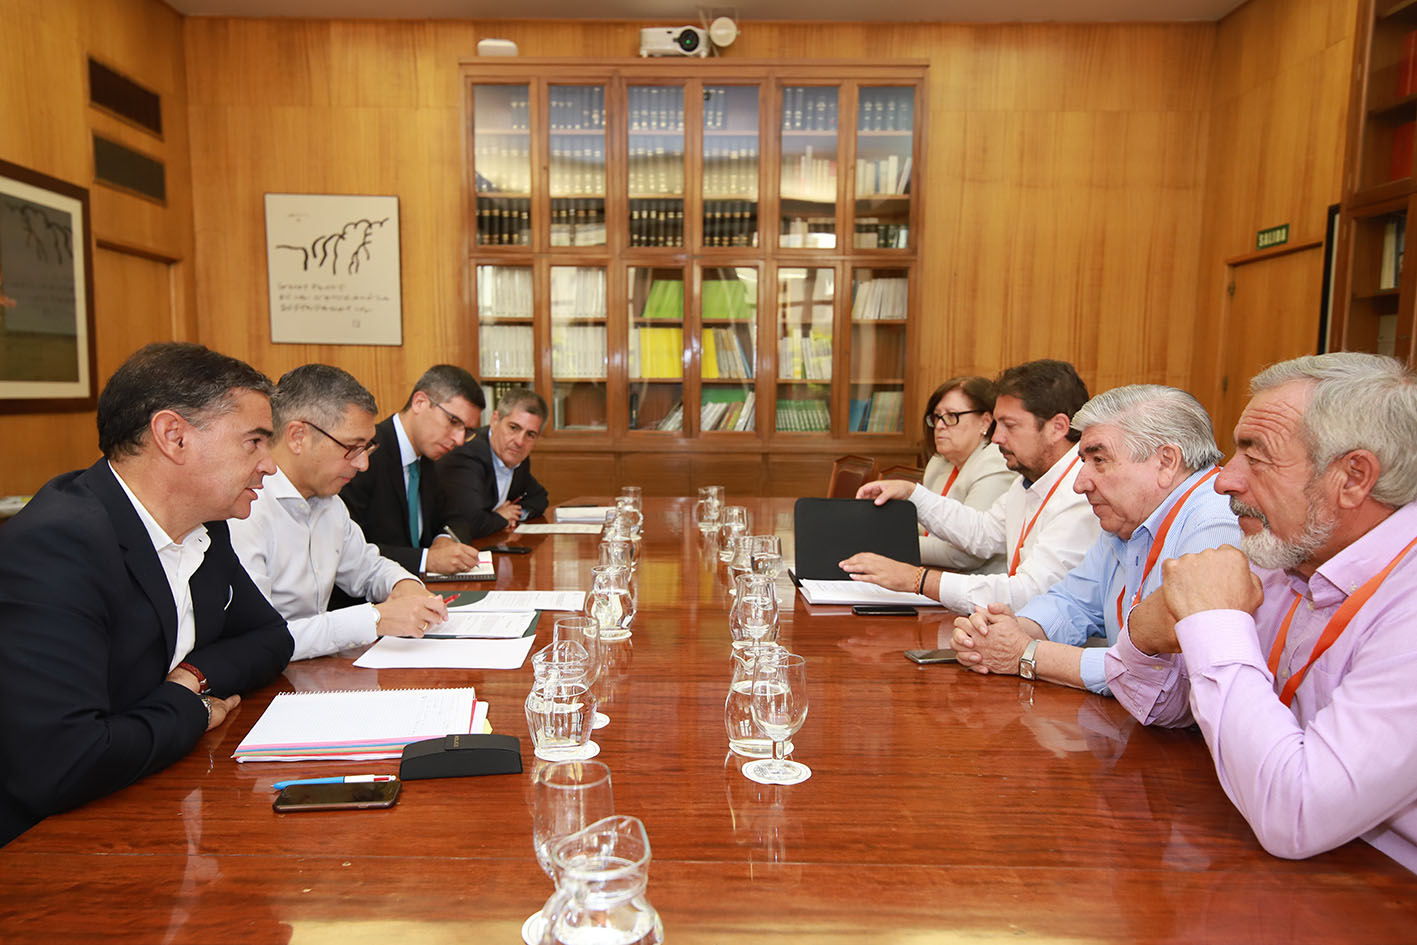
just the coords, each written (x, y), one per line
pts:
(454, 420)
(350, 452)
(948, 417)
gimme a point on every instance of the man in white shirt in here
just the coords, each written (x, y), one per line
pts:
(299, 541)
(1041, 526)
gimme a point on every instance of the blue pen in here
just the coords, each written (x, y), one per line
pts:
(347, 779)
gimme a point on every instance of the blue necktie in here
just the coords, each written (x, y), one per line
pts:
(414, 519)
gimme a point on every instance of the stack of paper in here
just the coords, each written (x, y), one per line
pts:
(483, 571)
(583, 513)
(362, 725)
(859, 592)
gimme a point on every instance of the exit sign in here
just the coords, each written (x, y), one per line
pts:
(1274, 236)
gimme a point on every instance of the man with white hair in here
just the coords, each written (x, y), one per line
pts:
(1298, 664)
(1149, 457)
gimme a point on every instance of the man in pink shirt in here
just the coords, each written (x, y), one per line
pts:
(1299, 664)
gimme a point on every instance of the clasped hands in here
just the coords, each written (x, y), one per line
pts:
(992, 639)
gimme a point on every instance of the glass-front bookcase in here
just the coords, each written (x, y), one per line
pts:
(699, 257)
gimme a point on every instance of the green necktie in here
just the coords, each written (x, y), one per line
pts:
(414, 519)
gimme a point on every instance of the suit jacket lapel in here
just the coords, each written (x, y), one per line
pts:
(391, 471)
(138, 552)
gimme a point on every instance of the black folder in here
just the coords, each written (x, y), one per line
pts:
(828, 531)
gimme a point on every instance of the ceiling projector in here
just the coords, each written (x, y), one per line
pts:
(674, 41)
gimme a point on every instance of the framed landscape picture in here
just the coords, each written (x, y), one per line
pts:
(46, 294)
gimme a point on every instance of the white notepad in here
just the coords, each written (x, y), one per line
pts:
(358, 725)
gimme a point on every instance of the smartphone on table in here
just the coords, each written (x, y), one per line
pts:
(360, 795)
(508, 549)
(932, 656)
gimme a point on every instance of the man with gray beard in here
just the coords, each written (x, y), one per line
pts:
(1297, 658)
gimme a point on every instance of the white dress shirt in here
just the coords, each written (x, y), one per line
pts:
(1060, 537)
(296, 550)
(180, 560)
(981, 480)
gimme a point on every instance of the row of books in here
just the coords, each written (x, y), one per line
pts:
(733, 413)
(1402, 139)
(494, 391)
(656, 223)
(577, 292)
(503, 292)
(804, 357)
(506, 351)
(502, 166)
(809, 109)
(882, 298)
(576, 167)
(719, 105)
(728, 353)
(886, 109)
(731, 167)
(808, 177)
(664, 300)
(887, 175)
(673, 420)
(882, 412)
(576, 107)
(727, 298)
(515, 111)
(578, 351)
(577, 222)
(656, 352)
(1394, 243)
(503, 221)
(730, 223)
(655, 108)
(814, 232)
(803, 416)
(871, 233)
(656, 168)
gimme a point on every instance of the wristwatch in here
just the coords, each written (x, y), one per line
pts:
(1026, 667)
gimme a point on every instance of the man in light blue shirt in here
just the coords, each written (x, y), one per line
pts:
(1149, 461)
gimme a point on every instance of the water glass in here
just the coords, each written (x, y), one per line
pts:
(754, 617)
(744, 737)
(767, 555)
(707, 507)
(779, 707)
(567, 797)
(617, 551)
(732, 522)
(627, 507)
(586, 632)
(635, 494)
(740, 558)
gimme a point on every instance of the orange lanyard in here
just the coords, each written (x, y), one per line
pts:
(1331, 632)
(1023, 535)
(1158, 541)
(954, 474)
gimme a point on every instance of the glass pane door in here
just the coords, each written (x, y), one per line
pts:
(730, 166)
(506, 346)
(885, 145)
(728, 306)
(501, 143)
(577, 164)
(809, 154)
(878, 351)
(656, 349)
(805, 305)
(578, 355)
(656, 165)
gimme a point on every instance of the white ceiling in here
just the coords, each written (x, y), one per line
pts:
(676, 12)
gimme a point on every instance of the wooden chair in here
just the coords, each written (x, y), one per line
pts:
(911, 473)
(850, 473)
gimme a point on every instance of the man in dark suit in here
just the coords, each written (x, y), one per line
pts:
(127, 626)
(446, 402)
(488, 480)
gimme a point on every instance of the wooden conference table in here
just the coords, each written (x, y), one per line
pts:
(944, 807)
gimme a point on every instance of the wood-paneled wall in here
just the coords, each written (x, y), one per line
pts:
(47, 125)
(1065, 172)
(1277, 120)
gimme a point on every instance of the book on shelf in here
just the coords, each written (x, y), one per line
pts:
(495, 390)
(577, 292)
(504, 292)
(505, 351)
(656, 352)
(674, 419)
(730, 223)
(656, 223)
(802, 416)
(882, 412)
(727, 298)
(879, 298)
(578, 352)
(886, 109)
(1394, 240)
(1402, 138)
(872, 233)
(665, 300)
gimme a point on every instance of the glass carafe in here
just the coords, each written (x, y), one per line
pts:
(610, 601)
(754, 617)
(744, 738)
(601, 874)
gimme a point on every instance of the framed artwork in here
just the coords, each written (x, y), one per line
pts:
(332, 264)
(47, 360)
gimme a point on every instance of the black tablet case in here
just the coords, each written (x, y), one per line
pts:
(830, 530)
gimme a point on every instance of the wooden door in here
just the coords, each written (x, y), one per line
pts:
(1272, 315)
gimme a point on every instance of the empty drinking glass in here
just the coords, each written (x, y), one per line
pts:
(754, 616)
(629, 508)
(617, 551)
(779, 707)
(585, 631)
(567, 797)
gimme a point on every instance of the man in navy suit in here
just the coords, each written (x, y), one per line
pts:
(127, 625)
(488, 481)
(446, 402)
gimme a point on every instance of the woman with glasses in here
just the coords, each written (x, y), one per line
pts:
(965, 466)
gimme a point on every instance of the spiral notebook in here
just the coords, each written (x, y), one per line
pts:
(358, 725)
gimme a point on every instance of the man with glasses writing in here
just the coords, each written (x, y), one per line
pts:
(398, 501)
(299, 541)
